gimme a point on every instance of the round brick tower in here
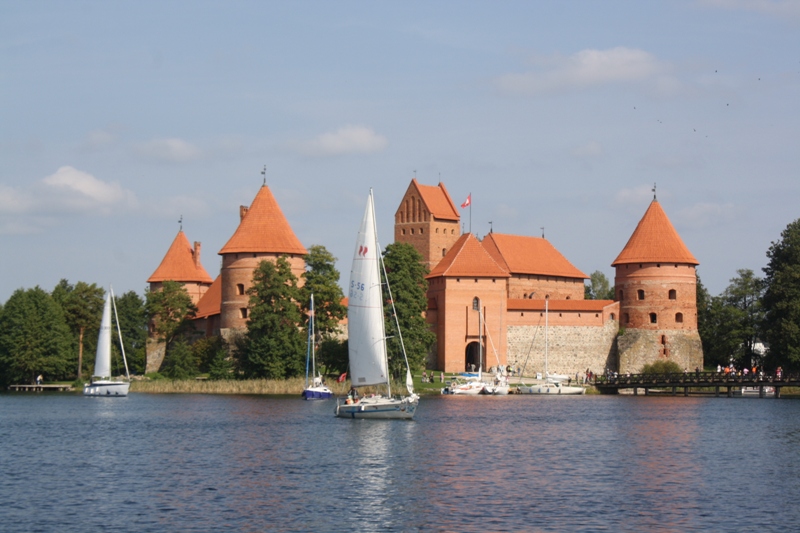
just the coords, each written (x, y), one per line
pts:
(263, 234)
(656, 285)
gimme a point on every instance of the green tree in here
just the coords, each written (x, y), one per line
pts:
(133, 324)
(332, 355)
(83, 309)
(598, 287)
(406, 278)
(34, 337)
(170, 310)
(179, 361)
(728, 324)
(322, 279)
(221, 366)
(781, 300)
(206, 350)
(274, 345)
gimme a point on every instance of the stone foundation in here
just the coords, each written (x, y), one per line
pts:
(640, 347)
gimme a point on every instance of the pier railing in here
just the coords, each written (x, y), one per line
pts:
(693, 381)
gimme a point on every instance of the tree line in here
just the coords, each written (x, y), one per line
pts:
(55, 333)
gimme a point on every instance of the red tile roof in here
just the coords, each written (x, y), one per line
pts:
(655, 241)
(519, 304)
(468, 258)
(264, 229)
(529, 255)
(211, 302)
(179, 264)
(437, 201)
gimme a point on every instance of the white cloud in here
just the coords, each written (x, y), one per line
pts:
(346, 140)
(704, 214)
(169, 150)
(590, 149)
(68, 190)
(589, 68)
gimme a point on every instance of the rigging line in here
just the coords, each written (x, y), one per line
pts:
(530, 348)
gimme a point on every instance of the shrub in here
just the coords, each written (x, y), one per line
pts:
(661, 367)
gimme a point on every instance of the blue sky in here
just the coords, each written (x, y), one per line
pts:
(117, 118)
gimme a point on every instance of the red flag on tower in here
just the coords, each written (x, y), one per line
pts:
(341, 378)
(467, 201)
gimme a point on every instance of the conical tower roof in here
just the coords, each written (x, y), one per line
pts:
(180, 264)
(655, 241)
(264, 229)
(468, 258)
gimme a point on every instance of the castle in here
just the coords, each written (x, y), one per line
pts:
(487, 299)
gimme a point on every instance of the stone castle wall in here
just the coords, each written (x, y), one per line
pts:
(571, 349)
(640, 347)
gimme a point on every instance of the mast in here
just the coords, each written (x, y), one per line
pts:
(313, 339)
(546, 299)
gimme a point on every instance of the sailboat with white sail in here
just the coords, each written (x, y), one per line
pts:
(101, 383)
(315, 389)
(369, 364)
(551, 384)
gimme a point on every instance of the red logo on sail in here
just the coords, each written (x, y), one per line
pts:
(362, 250)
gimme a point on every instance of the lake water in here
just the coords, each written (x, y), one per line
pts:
(517, 463)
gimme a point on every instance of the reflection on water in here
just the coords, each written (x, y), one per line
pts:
(515, 463)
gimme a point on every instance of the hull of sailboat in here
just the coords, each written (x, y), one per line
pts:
(379, 407)
(470, 388)
(550, 388)
(496, 390)
(317, 393)
(106, 388)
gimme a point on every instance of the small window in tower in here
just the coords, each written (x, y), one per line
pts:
(640, 294)
(444, 252)
(673, 294)
(653, 318)
(243, 312)
(239, 289)
(421, 231)
(568, 297)
(620, 294)
(524, 295)
(679, 318)
(627, 318)
(437, 230)
(412, 231)
(452, 232)
(403, 231)
(663, 339)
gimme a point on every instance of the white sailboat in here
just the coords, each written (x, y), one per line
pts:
(369, 363)
(317, 390)
(101, 383)
(551, 384)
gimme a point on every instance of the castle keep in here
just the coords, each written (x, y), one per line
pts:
(487, 297)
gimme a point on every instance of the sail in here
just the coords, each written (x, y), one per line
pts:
(102, 360)
(365, 328)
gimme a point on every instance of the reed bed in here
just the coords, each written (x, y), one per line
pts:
(291, 386)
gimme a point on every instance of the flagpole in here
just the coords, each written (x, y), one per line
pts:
(470, 212)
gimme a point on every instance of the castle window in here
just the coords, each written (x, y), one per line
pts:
(437, 230)
(653, 318)
(679, 318)
(421, 231)
(673, 294)
(412, 231)
(403, 231)
(525, 295)
(444, 252)
(613, 316)
(627, 318)
(243, 312)
(658, 265)
(568, 297)
(663, 339)
(620, 294)
(640, 294)
(239, 289)
(452, 232)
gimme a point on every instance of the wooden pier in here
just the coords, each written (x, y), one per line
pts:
(41, 388)
(697, 383)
